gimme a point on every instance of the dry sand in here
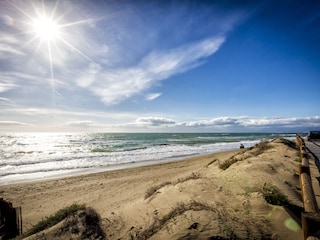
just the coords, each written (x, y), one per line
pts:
(189, 199)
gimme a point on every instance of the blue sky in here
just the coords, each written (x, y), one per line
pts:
(159, 66)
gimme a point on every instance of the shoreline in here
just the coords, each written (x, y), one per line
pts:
(214, 198)
(114, 167)
(30, 156)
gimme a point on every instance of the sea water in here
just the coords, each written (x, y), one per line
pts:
(32, 156)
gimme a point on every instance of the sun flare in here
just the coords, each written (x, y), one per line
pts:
(46, 22)
(46, 28)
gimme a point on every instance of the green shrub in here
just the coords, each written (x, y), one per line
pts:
(226, 164)
(53, 219)
(273, 195)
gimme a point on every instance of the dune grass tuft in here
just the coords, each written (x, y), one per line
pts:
(152, 190)
(179, 209)
(192, 176)
(287, 142)
(226, 164)
(261, 147)
(53, 219)
(273, 195)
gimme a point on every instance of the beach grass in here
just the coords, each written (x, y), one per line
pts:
(274, 196)
(152, 190)
(178, 210)
(53, 219)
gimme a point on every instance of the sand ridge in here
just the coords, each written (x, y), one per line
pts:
(206, 197)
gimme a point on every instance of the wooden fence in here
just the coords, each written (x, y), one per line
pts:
(310, 218)
(10, 220)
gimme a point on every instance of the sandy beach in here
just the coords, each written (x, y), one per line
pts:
(219, 196)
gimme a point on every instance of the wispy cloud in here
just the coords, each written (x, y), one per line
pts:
(12, 124)
(6, 86)
(116, 85)
(9, 45)
(6, 48)
(152, 96)
(6, 102)
(80, 124)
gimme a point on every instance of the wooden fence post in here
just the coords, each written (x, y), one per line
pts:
(310, 218)
(10, 220)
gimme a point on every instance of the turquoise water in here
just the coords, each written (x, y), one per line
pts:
(29, 156)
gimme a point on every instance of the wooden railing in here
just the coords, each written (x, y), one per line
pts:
(310, 218)
(10, 220)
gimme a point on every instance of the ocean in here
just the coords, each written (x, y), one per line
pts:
(34, 156)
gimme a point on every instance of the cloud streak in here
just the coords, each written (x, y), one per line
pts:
(152, 96)
(116, 85)
(12, 124)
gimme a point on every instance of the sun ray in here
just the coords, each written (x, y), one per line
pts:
(21, 10)
(79, 22)
(75, 49)
(48, 27)
(53, 84)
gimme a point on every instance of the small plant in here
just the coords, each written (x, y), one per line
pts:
(273, 195)
(154, 189)
(261, 147)
(85, 223)
(193, 176)
(178, 210)
(287, 142)
(212, 162)
(235, 158)
(53, 219)
(226, 164)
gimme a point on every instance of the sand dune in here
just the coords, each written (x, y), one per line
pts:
(218, 196)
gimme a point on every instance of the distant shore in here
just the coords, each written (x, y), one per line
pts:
(216, 195)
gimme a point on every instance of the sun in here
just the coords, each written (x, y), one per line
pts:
(46, 29)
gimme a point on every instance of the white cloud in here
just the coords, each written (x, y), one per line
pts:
(116, 85)
(6, 102)
(7, 20)
(155, 121)
(100, 121)
(12, 124)
(80, 124)
(6, 48)
(4, 87)
(233, 123)
(152, 96)
(221, 121)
